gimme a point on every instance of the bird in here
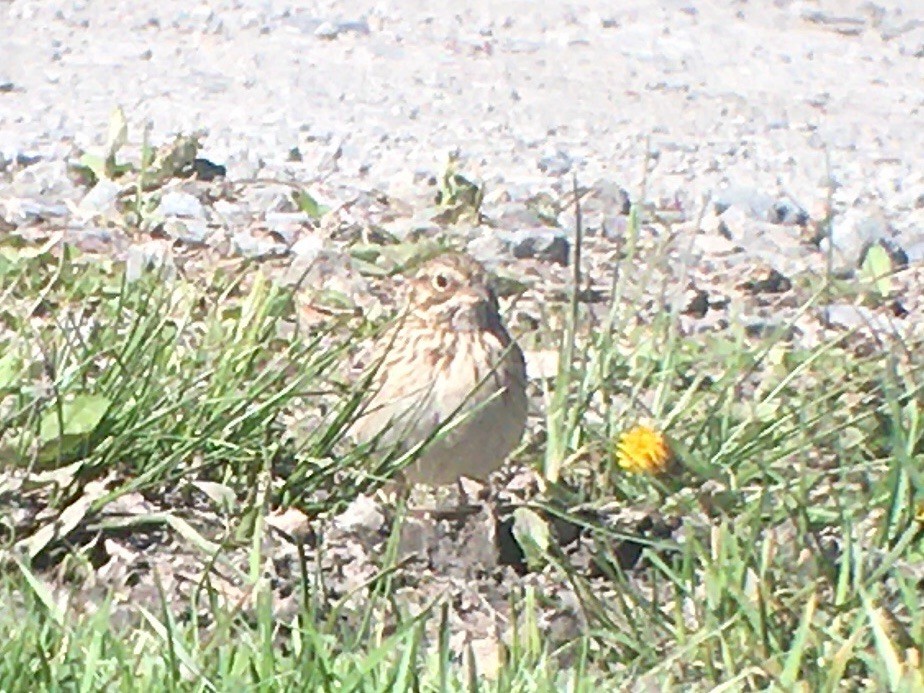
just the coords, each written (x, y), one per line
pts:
(447, 367)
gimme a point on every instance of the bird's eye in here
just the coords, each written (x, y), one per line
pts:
(441, 282)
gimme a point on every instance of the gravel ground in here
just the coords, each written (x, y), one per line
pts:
(739, 93)
(783, 128)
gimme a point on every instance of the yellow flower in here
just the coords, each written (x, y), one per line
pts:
(642, 450)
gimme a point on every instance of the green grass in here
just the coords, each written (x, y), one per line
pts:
(799, 472)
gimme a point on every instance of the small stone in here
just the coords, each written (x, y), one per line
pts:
(362, 514)
(853, 317)
(767, 280)
(101, 198)
(850, 235)
(556, 163)
(415, 538)
(181, 204)
(753, 203)
(20, 210)
(714, 244)
(614, 227)
(268, 198)
(540, 244)
(94, 239)
(152, 255)
(488, 658)
(697, 303)
(308, 248)
(206, 170)
(735, 224)
(760, 206)
(331, 30)
(191, 231)
(288, 226)
(915, 253)
(487, 248)
(257, 247)
(292, 522)
(607, 197)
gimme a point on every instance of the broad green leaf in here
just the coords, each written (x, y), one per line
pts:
(118, 132)
(532, 534)
(95, 164)
(10, 372)
(78, 417)
(368, 252)
(307, 204)
(877, 269)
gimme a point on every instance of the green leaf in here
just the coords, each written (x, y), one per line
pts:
(887, 651)
(800, 643)
(532, 534)
(95, 164)
(44, 592)
(307, 204)
(118, 132)
(877, 269)
(10, 372)
(79, 417)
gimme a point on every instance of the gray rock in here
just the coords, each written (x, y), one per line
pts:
(606, 199)
(22, 210)
(759, 205)
(362, 515)
(915, 253)
(513, 215)
(331, 30)
(181, 204)
(92, 239)
(150, 256)
(308, 248)
(753, 203)
(854, 317)
(101, 198)
(415, 538)
(736, 225)
(850, 236)
(44, 179)
(287, 225)
(544, 244)
(268, 198)
(248, 245)
(39, 191)
(555, 163)
(714, 244)
(191, 231)
(487, 248)
(909, 230)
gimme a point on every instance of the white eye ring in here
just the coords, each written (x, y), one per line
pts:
(441, 282)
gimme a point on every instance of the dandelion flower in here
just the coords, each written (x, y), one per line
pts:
(642, 450)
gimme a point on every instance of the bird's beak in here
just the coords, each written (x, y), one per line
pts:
(478, 309)
(474, 296)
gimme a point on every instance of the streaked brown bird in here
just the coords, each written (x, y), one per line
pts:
(449, 360)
